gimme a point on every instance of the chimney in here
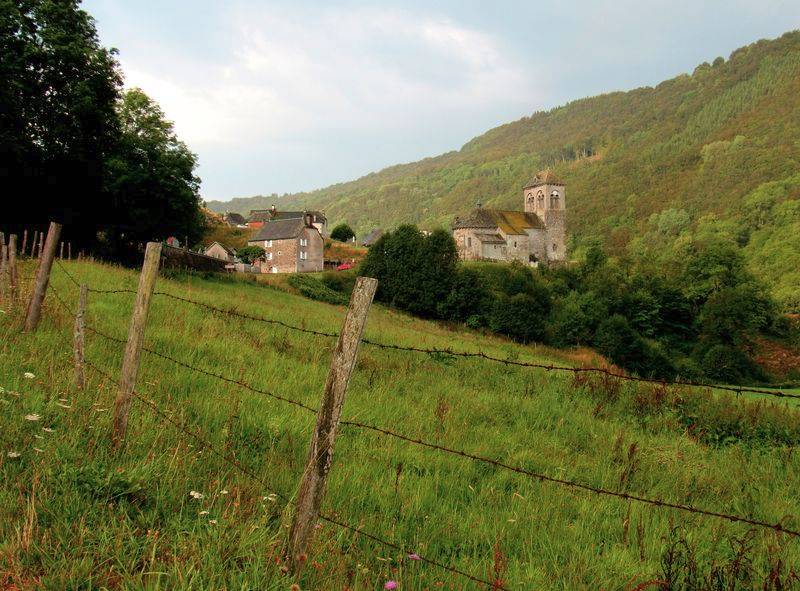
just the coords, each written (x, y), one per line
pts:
(308, 218)
(273, 210)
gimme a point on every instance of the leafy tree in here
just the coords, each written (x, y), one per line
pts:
(468, 299)
(248, 254)
(58, 123)
(732, 315)
(150, 177)
(342, 233)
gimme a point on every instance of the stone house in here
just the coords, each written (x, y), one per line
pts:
(536, 235)
(220, 251)
(291, 245)
(258, 217)
(234, 220)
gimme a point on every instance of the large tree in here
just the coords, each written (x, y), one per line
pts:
(57, 114)
(150, 178)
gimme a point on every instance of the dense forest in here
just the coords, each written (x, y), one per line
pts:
(649, 172)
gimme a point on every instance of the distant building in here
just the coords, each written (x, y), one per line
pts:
(534, 236)
(235, 220)
(372, 237)
(258, 217)
(293, 245)
(220, 251)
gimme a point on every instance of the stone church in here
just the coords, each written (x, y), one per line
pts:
(534, 236)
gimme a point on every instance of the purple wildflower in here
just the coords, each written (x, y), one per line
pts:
(390, 585)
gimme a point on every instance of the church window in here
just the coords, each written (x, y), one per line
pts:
(469, 241)
(555, 247)
(540, 198)
(554, 200)
(515, 243)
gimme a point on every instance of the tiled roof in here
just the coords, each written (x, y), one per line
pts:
(279, 230)
(510, 222)
(490, 238)
(545, 177)
(372, 237)
(264, 215)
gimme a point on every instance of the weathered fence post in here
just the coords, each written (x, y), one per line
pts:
(12, 267)
(42, 277)
(320, 456)
(61, 252)
(3, 270)
(34, 243)
(24, 243)
(41, 243)
(78, 340)
(133, 348)
(69, 251)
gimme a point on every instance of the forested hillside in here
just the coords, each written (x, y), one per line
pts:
(649, 172)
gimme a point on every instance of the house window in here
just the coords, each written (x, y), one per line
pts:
(273, 269)
(555, 247)
(269, 256)
(303, 255)
(269, 244)
(304, 242)
(469, 241)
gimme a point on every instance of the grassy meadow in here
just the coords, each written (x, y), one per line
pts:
(73, 515)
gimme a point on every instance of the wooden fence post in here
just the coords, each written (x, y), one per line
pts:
(320, 456)
(24, 243)
(12, 267)
(133, 348)
(3, 270)
(35, 243)
(61, 252)
(42, 277)
(69, 251)
(78, 340)
(41, 243)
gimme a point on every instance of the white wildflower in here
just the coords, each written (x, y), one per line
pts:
(29, 375)
(271, 498)
(212, 521)
(223, 492)
(36, 449)
(13, 454)
(203, 512)
(195, 495)
(32, 417)
(47, 429)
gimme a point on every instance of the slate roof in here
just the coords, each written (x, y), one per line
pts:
(510, 222)
(234, 218)
(544, 177)
(264, 215)
(490, 238)
(372, 237)
(279, 230)
(230, 251)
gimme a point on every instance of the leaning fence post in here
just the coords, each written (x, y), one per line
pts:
(3, 270)
(42, 277)
(69, 251)
(12, 267)
(24, 243)
(320, 456)
(34, 243)
(41, 244)
(133, 348)
(61, 252)
(78, 340)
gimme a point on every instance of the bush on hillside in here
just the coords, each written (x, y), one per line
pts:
(316, 290)
(342, 233)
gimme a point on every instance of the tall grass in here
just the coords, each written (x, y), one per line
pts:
(75, 515)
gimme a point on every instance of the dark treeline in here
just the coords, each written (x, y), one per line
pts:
(78, 149)
(698, 320)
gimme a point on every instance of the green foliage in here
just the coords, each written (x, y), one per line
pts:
(316, 290)
(106, 164)
(521, 317)
(250, 253)
(342, 233)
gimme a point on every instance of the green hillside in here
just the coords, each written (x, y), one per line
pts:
(646, 170)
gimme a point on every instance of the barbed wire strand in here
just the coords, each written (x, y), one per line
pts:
(496, 463)
(206, 444)
(467, 354)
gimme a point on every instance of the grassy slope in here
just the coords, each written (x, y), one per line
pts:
(74, 516)
(703, 143)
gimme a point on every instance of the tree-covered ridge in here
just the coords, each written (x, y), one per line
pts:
(697, 148)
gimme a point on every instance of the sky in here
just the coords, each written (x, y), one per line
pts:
(290, 95)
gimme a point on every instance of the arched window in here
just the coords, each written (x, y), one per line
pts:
(554, 200)
(540, 198)
(530, 198)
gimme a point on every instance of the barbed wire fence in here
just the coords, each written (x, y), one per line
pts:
(316, 453)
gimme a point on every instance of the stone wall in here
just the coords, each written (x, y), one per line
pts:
(180, 258)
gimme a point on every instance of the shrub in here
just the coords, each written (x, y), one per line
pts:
(342, 233)
(467, 299)
(248, 254)
(340, 281)
(520, 317)
(316, 290)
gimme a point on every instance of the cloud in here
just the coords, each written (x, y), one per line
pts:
(283, 76)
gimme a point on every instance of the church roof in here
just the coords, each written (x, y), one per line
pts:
(510, 222)
(490, 238)
(544, 177)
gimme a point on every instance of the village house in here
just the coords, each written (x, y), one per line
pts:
(258, 217)
(220, 251)
(534, 236)
(234, 220)
(293, 245)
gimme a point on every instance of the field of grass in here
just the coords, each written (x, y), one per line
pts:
(74, 515)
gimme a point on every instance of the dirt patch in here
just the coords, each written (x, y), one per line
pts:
(778, 359)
